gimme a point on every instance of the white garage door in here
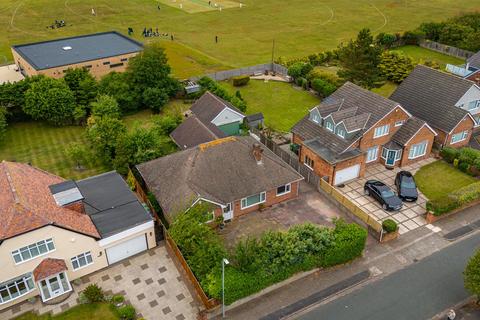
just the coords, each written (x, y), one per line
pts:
(126, 249)
(347, 174)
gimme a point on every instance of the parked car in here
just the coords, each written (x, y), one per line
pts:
(383, 194)
(406, 186)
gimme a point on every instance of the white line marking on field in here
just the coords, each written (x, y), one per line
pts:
(385, 20)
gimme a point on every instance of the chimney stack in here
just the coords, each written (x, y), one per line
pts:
(257, 152)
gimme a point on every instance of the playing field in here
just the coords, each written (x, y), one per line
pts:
(194, 6)
(245, 34)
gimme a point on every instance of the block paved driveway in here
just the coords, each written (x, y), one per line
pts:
(149, 281)
(410, 217)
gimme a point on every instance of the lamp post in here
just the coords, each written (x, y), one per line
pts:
(224, 262)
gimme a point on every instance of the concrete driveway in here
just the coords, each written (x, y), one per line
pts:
(310, 206)
(410, 217)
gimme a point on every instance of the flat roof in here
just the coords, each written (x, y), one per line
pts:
(68, 51)
(111, 204)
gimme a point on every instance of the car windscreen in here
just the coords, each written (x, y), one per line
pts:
(387, 193)
(408, 183)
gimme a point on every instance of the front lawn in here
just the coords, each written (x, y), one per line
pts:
(282, 104)
(94, 311)
(438, 179)
(420, 55)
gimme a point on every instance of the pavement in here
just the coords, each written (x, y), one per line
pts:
(409, 218)
(431, 264)
(8, 73)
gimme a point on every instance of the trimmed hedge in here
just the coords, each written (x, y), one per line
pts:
(455, 199)
(449, 154)
(389, 225)
(240, 81)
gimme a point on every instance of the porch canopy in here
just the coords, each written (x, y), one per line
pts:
(49, 267)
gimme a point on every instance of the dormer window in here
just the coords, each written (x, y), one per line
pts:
(329, 125)
(341, 133)
(316, 118)
(399, 123)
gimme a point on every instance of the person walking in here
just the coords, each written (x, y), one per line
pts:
(216, 39)
(171, 36)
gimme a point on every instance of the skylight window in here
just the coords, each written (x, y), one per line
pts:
(66, 48)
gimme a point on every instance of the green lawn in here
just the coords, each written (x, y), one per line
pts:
(245, 35)
(96, 311)
(439, 178)
(420, 55)
(281, 104)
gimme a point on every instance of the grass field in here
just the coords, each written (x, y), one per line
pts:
(420, 55)
(96, 311)
(245, 34)
(281, 104)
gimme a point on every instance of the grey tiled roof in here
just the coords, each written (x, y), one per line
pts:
(208, 106)
(343, 113)
(193, 132)
(431, 95)
(356, 122)
(325, 150)
(408, 130)
(220, 171)
(474, 60)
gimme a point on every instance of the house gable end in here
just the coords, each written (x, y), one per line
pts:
(227, 116)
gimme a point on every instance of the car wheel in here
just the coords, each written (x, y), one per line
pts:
(384, 206)
(366, 192)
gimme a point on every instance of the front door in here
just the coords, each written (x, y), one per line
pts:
(391, 157)
(228, 212)
(54, 286)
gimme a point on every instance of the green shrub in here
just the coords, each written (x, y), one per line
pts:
(389, 225)
(413, 37)
(127, 312)
(93, 293)
(208, 84)
(468, 155)
(455, 163)
(467, 194)
(299, 69)
(395, 66)
(323, 87)
(442, 205)
(449, 154)
(240, 81)
(116, 299)
(464, 167)
(301, 82)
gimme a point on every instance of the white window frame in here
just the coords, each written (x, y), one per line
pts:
(475, 105)
(381, 131)
(464, 135)
(417, 144)
(288, 189)
(375, 148)
(77, 259)
(329, 126)
(30, 247)
(69, 287)
(399, 123)
(263, 198)
(341, 133)
(25, 279)
(315, 118)
(306, 162)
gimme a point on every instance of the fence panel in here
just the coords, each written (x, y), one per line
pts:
(250, 71)
(445, 49)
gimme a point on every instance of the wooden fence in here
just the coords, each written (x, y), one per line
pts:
(209, 303)
(250, 71)
(445, 49)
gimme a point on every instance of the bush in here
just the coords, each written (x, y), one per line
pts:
(442, 205)
(389, 225)
(464, 167)
(387, 40)
(395, 66)
(299, 69)
(449, 154)
(301, 82)
(323, 87)
(93, 293)
(467, 194)
(468, 155)
(413, 37)
(208, 84)
(240, 81)
(3, 123)
(117, 299)
(127, 312)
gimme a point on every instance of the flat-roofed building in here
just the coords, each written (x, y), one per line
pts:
(101, 53)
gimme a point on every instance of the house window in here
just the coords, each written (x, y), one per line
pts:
(308, 162)
(341, 133)
(253, 200)
(399, 155)
(315, 118)
(381, 131)
(284, 189)
(33, 250)
(399, 123)
(473, 104)
(384, 153)
(372, 154)
(106, 63)
(124, 59)
(329, 125)
(82, 260)
(16, 288)
(116, 65)
(457, 137)
(418, 150)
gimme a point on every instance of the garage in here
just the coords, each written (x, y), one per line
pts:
(347, 174)
(126, 249)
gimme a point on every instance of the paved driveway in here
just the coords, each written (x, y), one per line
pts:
(310, 206)
(410, 217)
(149, 281)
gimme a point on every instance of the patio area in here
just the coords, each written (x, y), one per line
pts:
(410, 217)
(310, 206)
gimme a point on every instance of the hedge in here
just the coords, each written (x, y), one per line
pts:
(389, 225)
(449, 154)
(454, 200)
(240, 80)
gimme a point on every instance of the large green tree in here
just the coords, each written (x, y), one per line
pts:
(3, 122)
(103, 135)
(359, 60)
(395, 66)
(50, 100)
(12, 97)
(116, 85)
(472, 275)
(105, 107)
(83, 85)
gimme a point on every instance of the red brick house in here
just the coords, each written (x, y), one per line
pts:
(234, 174)
(354, 128)
(449, 104)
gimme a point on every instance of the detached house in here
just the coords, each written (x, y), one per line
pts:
(449, 104)
(234, 174)
(54, 231)
(210, 118)
(353, 128)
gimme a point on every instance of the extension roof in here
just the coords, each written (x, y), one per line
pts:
(431, 95)
(208, 106)
(26, 203)
(474, 61)
(220, 171)
(408, 130)
(55, 53)
(111, 204)
(48, 267)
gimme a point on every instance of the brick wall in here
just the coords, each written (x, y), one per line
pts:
(422, 135)
(465, 124)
